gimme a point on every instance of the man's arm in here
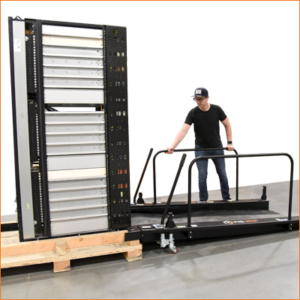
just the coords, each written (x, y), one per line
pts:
(228, 133)
(181, 135)
(228, 129)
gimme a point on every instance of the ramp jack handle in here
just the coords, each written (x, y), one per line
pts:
(173, 189)
(141, 179)
(168, 242)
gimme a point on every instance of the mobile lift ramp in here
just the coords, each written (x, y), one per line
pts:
(185, 228)
(140, 206)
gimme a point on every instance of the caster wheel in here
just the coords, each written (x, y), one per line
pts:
(175, 251)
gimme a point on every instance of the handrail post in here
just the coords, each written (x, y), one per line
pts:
(291, 188)
(237, 177)
(190, 193)
(154, 179)
(154, 175)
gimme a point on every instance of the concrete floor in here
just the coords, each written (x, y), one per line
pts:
(252, 267)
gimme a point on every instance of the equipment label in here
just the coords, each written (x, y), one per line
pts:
(239, 222)
(233, 222)
(17, 45)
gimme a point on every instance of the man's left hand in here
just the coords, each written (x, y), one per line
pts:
(230, 147)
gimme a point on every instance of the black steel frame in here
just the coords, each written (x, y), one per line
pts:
(32, 130)
(179, 206)
(42, 130)
(238, 156)
(30, 60)
(234, 156)
(186, 150)
(151, 233)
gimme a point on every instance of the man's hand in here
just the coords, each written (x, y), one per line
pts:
(170, 150)
(230, 147)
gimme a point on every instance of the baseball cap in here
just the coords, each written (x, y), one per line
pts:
(201, 92)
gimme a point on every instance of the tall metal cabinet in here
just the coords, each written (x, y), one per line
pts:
(70, 115)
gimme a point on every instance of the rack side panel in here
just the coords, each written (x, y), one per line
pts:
(21, 120)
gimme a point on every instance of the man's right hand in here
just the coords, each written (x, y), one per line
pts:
(170, 151)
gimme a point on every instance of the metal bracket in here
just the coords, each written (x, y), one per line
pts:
(168, 242)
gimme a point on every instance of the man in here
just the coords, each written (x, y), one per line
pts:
(205, 118)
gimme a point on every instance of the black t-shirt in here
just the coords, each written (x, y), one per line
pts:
(206, 125)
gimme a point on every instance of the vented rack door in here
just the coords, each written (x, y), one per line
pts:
(73, 65)
(75, 139)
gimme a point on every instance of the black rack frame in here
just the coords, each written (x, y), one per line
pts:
(118, 209)
(42, 129)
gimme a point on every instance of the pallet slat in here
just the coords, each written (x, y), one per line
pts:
(61, 251)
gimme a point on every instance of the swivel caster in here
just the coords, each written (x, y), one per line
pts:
(174, 251)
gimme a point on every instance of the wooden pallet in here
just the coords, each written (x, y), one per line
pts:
(61, 251)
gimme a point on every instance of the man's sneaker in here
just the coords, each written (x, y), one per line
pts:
(208, 201)
(228, 199)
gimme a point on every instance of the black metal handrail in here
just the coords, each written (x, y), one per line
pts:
(142, 176)
(237, 156)
(183, 150)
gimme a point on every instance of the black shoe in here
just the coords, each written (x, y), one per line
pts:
(228, 199)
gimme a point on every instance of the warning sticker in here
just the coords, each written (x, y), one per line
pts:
(17, 45)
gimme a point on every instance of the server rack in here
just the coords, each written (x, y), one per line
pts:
(70, 120)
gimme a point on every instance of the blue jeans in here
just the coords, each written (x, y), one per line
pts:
(220, 168)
